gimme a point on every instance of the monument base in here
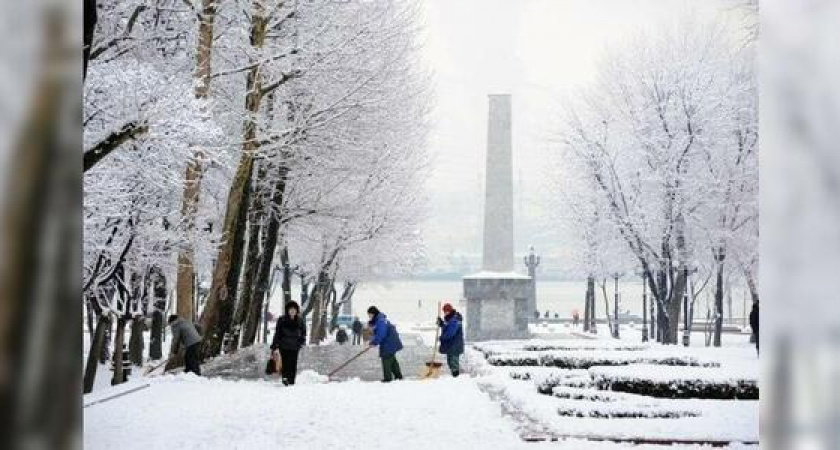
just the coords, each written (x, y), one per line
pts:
(497, 305)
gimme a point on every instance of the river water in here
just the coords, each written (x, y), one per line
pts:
(415, 301)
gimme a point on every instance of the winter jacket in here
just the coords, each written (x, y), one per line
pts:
(385, 336)
(290, 334)
(452, 334)
(341, 336)
(357, 326)
(184, 333)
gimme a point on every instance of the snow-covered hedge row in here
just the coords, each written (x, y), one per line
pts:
(678, 382)
(546, 378)
(587, 359)
(587, 394)
(609, 411)
(491, 348)
(590, 346)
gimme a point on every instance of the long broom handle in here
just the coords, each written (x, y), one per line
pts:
(348, 361)
(437, 333)
(152, 369)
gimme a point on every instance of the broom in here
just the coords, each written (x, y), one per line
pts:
(155, 367)
(347, 362)
(433, 367)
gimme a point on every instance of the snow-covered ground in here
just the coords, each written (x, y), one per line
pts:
(492, 407)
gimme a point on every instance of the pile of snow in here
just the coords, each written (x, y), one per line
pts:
(310, 377)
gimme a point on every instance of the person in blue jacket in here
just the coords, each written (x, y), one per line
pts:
(385, 336)
(452, 338)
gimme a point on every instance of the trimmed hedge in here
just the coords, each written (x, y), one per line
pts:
(585, 361)
(702, 389)
(546, 347)
(626, 413)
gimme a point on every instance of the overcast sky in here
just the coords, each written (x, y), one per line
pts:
(538, 51)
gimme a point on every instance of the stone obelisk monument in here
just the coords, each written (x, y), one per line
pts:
(498, 190)
(497, 297)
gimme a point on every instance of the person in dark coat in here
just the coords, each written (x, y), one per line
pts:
(341, 335)
(357, 328)
(452, 338)
(289, 337)
(385, 336)
(754, 324)
(185, 333)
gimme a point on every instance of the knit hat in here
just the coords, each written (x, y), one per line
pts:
(447, 308)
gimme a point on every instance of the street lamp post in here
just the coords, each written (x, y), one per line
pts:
(531, 262)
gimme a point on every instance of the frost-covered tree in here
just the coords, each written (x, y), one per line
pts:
(660, 112)
(334, 115)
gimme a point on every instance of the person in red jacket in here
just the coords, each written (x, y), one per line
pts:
(451, 338)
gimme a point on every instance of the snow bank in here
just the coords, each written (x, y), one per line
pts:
(311, 377)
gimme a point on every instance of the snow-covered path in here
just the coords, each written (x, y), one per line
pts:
(190, 412)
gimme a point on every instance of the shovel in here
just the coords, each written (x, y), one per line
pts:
(433, 367)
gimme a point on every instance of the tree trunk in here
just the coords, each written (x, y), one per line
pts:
(194, 172)
(305, 297)
(263, 280)
(156, 337)
(589, 310)
(96, 343)
(105, 354)
(346, 295)
(319, 298)
(287, 275)
(218, 310)
(90, 20)
(40, 226)
(586, 308)
(661, 291)
(135, 343)
(751, 285)
(719, 258)
(652, 316)
(252, 264)
(606, 304)
(118, 353)
(674, 307)
(89, 315)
